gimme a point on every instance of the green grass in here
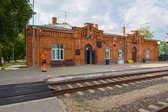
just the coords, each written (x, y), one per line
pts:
(4, 67)
(21, 61)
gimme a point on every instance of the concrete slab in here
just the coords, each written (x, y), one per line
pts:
(43, 105)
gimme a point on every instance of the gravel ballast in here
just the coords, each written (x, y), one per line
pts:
(118, 99)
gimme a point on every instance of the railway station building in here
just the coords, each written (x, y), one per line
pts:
(66, 45)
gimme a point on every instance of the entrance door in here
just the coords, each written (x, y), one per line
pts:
(88, 54)
(134, 54)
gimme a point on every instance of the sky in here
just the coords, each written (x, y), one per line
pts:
(110, 15)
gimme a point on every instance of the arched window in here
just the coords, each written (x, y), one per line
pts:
(120, 53)
(147, 53)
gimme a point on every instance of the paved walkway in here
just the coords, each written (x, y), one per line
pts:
(43, 105)
(28, 74)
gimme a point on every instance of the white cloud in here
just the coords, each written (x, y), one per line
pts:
(150, 11)
(109, 14)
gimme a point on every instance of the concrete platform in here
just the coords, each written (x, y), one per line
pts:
(30, 75)
(43, 105)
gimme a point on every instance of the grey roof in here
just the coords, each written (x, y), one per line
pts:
(151, 39)
(57, 26)
(114, 34)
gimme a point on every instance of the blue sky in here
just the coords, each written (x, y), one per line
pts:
(110, 15)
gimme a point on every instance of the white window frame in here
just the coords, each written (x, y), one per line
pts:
(57, 49)
(147, 53)
(107, 53)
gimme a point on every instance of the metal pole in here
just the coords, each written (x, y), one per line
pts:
(33, 39)
(13, 54)
(141, 43)
(141, 50)
(143, 24)
(125, 49)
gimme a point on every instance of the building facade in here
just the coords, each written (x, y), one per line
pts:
(67, 45)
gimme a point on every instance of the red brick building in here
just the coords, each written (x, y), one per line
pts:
(67, 45)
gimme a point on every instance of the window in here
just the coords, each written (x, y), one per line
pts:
(120, 53)
(147, 53)
(57, 52)
(107, 53)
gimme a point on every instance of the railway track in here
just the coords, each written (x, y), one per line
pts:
(162, 109)
(16, 93)
(160, 106)
(83, 84)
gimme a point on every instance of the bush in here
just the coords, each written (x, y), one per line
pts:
(163, 58)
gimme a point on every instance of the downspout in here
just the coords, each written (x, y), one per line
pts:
(123, 31)
(125, 50)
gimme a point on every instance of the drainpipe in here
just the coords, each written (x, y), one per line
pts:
(123, 31)
(125, 50)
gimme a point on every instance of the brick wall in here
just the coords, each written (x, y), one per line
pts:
(79, 37)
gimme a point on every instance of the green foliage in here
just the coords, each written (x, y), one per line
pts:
(163, 48)
(4, 67)
(17, 49)
(163, 51)
(64, 23)
(146, 32)
(14, 15)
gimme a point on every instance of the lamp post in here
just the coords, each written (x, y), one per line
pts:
(33, 38)
(143, 24)
(166, 37)
(141, 41)
(13, 55)
(158, 42)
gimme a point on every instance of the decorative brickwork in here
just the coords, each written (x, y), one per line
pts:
(86, 45)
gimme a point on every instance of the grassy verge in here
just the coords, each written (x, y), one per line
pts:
(4, 67)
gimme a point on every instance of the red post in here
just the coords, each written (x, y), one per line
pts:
(43, 62)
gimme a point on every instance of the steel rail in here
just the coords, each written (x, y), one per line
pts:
(95, 86)
(162, 109)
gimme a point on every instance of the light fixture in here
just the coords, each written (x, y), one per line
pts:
(158, 42)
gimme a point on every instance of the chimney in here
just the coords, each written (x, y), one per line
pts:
(123, 30)
(96, 26)
(54, 20)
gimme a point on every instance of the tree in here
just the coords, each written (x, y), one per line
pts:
(14, 15)
(17, 49)
(163, 51)
(145, 31)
